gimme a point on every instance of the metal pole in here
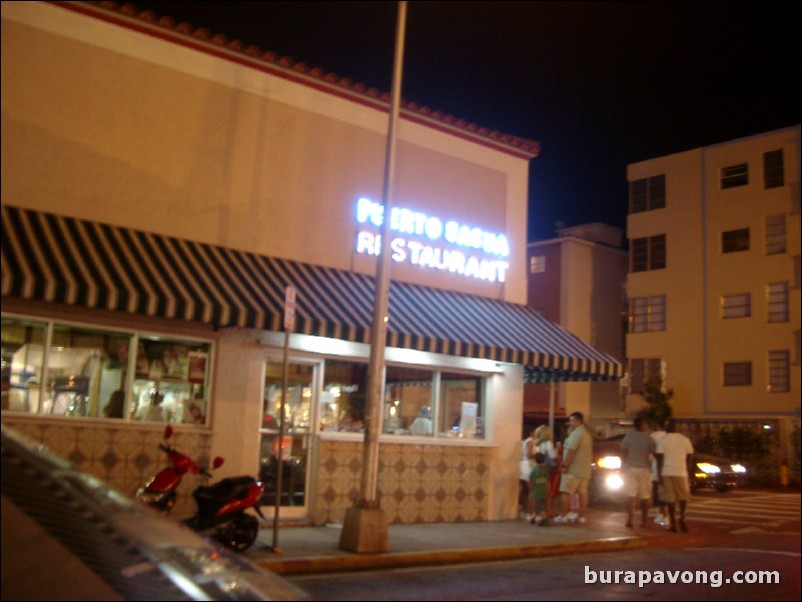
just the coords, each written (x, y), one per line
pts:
(378, 339)
(280, 451)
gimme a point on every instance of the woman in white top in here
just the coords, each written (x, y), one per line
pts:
(544, 443)
(526, 464)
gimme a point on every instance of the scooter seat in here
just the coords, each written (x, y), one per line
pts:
(226, 489)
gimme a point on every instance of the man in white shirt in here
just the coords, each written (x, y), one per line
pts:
(674, 465)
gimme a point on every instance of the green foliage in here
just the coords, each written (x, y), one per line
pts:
(657, 398)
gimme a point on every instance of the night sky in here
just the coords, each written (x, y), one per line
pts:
(598, 84)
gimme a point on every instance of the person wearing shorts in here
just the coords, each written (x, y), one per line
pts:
(636, 450)
(674, 465)
(576, 467)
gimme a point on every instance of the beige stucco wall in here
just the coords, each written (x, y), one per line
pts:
(105, 123)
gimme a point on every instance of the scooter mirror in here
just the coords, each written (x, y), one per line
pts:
(168, 431)
(217, 462)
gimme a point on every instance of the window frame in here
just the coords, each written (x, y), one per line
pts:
(537, 264)
(647, 194)
(737, 374)
(775, 234)
(643, 370)
(736, 305)
(648, 314)
(778, 371)
(735, 241)
(773, 169)
(734, 176)
(778, 302)
(648, 253)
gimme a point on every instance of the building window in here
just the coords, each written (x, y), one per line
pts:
(642, 371)
(345, 387)
(87, 371)
(647, 194)
(408, 401)
(775, 234)
(647, 314)
(648, 253)
(773, 174)
(733, 241)
(777, 302)
(736, 306)
(779, 371)
(735, 175)
(461, 405)
(537, 264)
(737, 374)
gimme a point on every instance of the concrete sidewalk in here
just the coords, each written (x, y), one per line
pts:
(305, 549)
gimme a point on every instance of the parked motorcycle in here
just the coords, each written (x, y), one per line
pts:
(221, 507)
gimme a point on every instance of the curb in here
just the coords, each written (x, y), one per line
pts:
(329, 564)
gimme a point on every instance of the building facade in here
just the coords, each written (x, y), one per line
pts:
(577, 280)
(168, 195)
(714, 283)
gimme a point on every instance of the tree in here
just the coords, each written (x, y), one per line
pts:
(657, 398)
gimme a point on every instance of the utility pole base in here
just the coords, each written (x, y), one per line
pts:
(364, 530)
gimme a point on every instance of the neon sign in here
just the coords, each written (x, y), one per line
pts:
(429, 242)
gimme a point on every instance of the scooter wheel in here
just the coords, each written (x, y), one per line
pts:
(239, 534)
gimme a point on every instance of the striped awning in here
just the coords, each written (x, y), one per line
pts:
(48, 257)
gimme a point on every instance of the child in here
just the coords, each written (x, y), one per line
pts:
(539, 481)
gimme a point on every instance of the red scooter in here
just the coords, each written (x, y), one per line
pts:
(221, 506)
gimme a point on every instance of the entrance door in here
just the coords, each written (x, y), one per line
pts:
(298, 416)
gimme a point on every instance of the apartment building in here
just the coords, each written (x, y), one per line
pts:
(714, 282)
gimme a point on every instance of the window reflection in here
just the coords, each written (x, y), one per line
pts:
(342, 401)
(408, 401)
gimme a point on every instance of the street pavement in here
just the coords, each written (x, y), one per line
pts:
(310, 549)
(714, 520)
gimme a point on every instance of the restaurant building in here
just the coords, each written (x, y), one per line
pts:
(162, 187)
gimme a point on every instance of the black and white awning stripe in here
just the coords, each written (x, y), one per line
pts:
(60, 259)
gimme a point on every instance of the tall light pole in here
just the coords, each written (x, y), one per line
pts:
(365, 525)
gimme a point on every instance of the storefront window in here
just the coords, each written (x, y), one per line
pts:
(84, 369)
(23, 352)
(296, 440)
(170, 380)
(408, 402)
(87, 373)
(461, 405)
(343, 398)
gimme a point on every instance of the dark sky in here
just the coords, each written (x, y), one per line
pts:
(598, 84)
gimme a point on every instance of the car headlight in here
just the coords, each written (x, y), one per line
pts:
(614, 482)
(708, 468)
(609, 462)
(739, 468)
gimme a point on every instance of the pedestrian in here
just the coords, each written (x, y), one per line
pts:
(525, 466)
(637, 449)
(674, 466)
(575, 468)
(544, 443)
(662, 509)
(539, 481)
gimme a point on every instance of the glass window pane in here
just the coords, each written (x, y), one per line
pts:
(85, 367)
(23, 351)
(171, 380)
(773, 176)
(735, 175)
(737, 374)
(408, 401)
(345, 386)
(657, 192)
(461, 405)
